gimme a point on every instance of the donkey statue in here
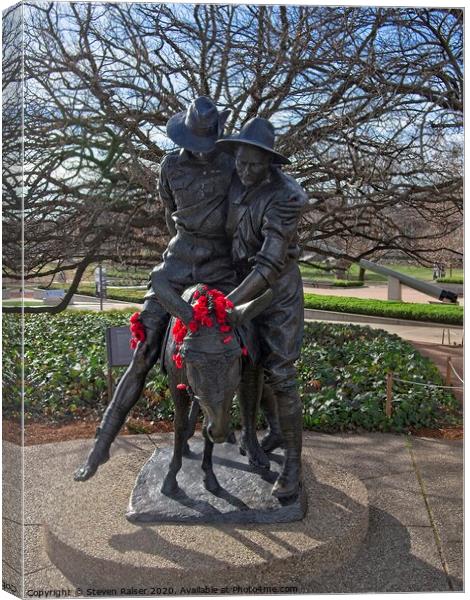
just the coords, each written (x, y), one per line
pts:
(204, 365)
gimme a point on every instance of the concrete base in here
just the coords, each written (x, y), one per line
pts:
(394, 289)
(89, 539)
(244, 495)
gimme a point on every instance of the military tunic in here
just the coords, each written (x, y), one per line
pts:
(263, 225)
(195, 193)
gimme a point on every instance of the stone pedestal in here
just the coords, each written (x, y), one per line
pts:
(244, 495)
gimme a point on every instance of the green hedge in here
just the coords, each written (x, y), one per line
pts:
(436, 313)
(347, 283)
(341, 372)
(457, 280)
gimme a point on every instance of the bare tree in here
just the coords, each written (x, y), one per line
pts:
(367, 103)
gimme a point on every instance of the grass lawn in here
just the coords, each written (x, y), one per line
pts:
(25, 303)
(422, 273)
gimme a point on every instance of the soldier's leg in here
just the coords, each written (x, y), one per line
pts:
(129, 389)
(290, 420)
(280, 330)
(273, 438)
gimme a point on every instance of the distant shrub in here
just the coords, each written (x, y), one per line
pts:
(345, 283)
(457, 280)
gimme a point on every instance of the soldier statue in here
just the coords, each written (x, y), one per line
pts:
(264, 212)
(236, 231)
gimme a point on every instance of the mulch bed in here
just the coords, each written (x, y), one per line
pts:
(46, 433)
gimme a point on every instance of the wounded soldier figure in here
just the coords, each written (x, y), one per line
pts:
(193, 186)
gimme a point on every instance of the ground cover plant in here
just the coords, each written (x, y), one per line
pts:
(457, 280)
(342, 375)
(345, 283)
(343, 372)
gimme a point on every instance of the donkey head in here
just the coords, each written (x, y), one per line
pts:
(212, 360)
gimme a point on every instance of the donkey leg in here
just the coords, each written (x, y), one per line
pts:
(170, 485)
(210, 481)
(193, 415)
(249, 394)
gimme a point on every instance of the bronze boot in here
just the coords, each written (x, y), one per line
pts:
(290, 419)
(105, 436)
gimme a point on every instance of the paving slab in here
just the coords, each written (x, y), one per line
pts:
(393, 558)
(12, 542)
(440, 465)
(367, 456)
(11, 579)
(49, 578)
(454, 557)
(12, 481)
(391, 494)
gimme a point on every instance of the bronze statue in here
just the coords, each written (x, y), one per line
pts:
(264, 213)
(228, 228)
(204, 363)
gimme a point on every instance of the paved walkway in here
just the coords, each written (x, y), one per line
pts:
(414, 541)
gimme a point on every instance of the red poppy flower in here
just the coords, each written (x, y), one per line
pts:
(178, 360)
(193, 326)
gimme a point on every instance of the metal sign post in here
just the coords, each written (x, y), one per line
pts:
(100, 283)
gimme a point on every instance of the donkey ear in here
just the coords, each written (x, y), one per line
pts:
(250, 310)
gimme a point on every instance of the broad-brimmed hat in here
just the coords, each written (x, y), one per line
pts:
(258, 132)
(198, 127)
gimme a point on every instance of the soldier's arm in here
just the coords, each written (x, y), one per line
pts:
(280, 223)
(166, 195)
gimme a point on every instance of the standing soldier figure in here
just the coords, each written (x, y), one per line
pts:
(264, 213)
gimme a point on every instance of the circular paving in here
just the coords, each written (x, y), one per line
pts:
(90, 540)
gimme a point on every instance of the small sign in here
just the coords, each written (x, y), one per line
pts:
(118, 346)
(101, 282)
